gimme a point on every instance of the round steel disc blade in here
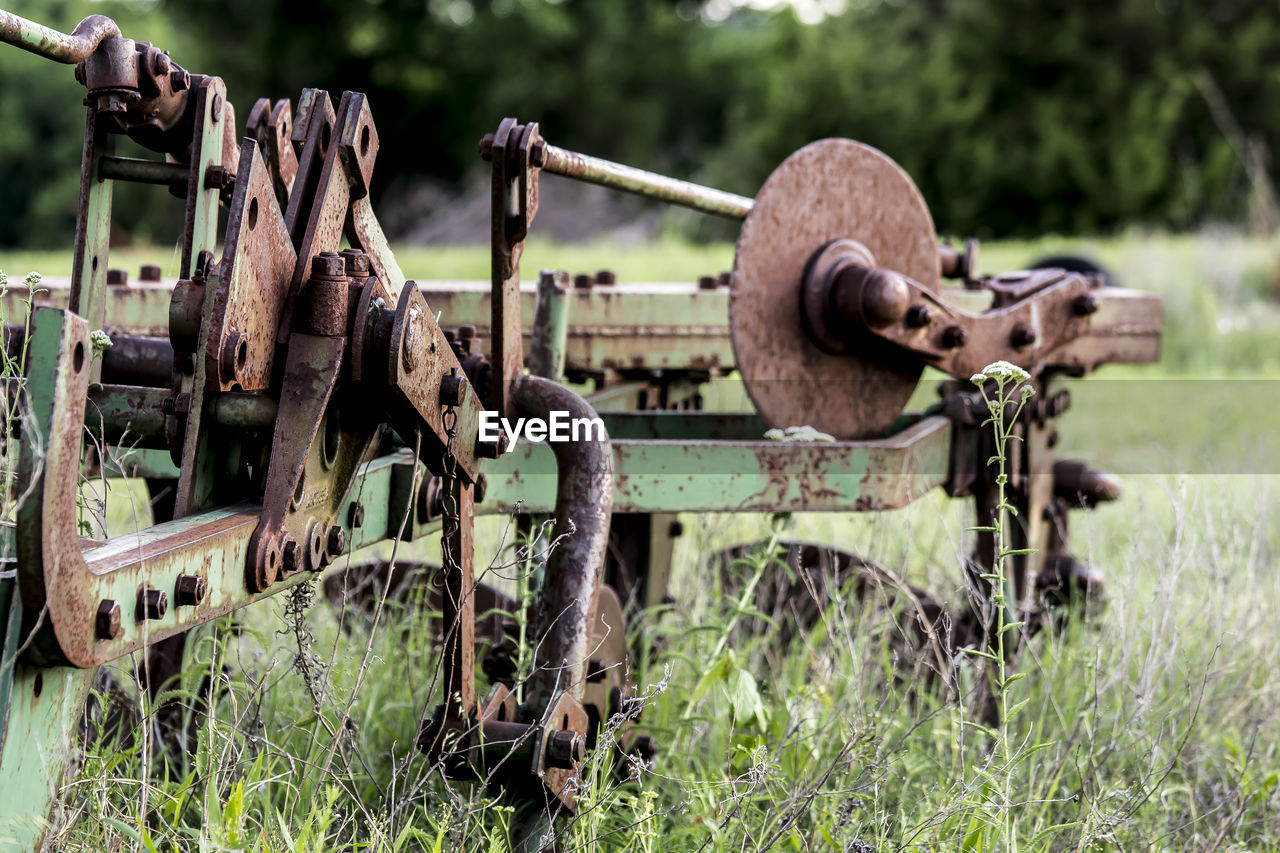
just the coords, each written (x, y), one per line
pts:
(828, 190)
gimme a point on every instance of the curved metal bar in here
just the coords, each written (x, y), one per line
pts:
(584, 502)
(58, 46)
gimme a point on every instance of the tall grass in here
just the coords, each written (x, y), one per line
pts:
(1153, 724)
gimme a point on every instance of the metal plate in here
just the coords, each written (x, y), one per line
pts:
(828, 190)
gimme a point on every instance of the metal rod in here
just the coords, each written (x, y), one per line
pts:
(51, 44)
(143, 171)
(584, 501)
(629, 179)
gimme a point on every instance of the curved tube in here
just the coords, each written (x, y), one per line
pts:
(584, 502)
(51, 44)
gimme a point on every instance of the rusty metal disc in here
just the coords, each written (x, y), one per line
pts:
(829, 190)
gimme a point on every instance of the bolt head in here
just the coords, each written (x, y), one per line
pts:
(708, 282)
(329, 265)
(482, 485)
(1022, 336)
(117, 277)
(357, 262)
(564, 749)
(179, 79)
(294, 561)
(606, 277)
(107, 622)
(160, 64)
(919, 316)
(336, 541)
(152, 603)
(415, 335)
(189, 590)
(355, 516)
(451, 390)
(215, 109)
(954, 336)
(1084, 305)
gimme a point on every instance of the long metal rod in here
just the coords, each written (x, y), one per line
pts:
(606, 173)
(58, 46)
(143, 171)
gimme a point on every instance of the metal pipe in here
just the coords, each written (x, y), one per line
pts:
(550, 325)
(593, 170)
(143, 171)
(584, 502)
(58, 46)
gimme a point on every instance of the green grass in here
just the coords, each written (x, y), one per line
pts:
(1151, 725)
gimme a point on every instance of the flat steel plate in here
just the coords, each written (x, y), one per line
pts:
(828, 190)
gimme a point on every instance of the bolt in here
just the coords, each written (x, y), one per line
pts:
(1084, 304)
(606, 277)
(538, 154)
(160, 64)
(189, 590)
(708, 282)
(451, 389)
(724, 279)
(107, 623)
(117, 277)
(414, 339)
(919, 316)
(328, 265)
(486, 147)
(491, 449)
(482, 484)
(293, 559)
(336, 541)
(149, 272)
(954, 336)
(675, 530)
(466, 339)
(179, 79)
(216, 110)
(582, 281)
(152, 603)
(1022, 336)
(644, 748)
(355, 515)
(564, 749)
(357, 262)
(80, 77)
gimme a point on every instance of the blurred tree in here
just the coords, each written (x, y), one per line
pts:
(1013, 116)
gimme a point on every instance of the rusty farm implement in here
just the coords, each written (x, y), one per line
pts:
(292, 398)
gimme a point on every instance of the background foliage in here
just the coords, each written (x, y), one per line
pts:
(1014, 116)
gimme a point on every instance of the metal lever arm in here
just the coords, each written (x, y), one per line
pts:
(58, 46)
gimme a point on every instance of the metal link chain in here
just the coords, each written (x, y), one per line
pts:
(448, 499)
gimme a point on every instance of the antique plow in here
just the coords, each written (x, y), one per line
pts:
(291, 398)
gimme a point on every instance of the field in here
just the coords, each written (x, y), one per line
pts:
(1152, 724)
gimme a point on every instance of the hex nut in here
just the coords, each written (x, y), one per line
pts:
(152, 603)
(293, 558)
(564, 749)
(328, 265)
(189, 590)
(1084, 305)
(106, 624)
(954, 336)
(918, 316)
(355, 515)
(356, 262)
(1022, 336)
(335, 542)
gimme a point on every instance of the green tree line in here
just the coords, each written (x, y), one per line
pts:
(1015, 117)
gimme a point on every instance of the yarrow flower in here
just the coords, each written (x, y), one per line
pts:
(100, 340)
(1000, 370)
